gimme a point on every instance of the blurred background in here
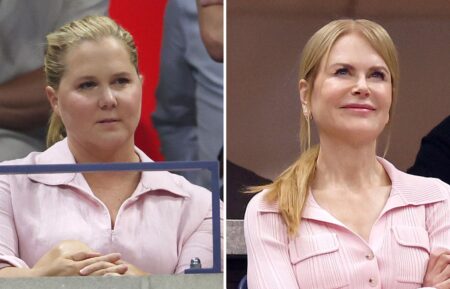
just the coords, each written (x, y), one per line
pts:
(264, 42)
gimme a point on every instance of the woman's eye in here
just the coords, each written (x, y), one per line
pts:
(341, 71)
(122, 81)
(378, 74)
(87, 85)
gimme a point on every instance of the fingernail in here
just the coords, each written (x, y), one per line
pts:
(83, 271)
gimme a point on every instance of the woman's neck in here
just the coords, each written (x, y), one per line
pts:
(99, 182)
(342, 166)
(93, 154)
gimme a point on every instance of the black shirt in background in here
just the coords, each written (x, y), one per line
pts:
(433, 158)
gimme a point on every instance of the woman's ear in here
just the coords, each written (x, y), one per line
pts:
(52, 98)
(303, 89)
(305, 95)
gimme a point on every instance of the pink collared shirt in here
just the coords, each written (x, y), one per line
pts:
(166, 222)
(326, 254)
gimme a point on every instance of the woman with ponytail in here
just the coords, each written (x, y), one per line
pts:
(340, 216)
(98, 223)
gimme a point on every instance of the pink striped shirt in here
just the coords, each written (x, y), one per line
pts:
(326, 254)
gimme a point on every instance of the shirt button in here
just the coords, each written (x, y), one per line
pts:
(373, 281)
(369, 256)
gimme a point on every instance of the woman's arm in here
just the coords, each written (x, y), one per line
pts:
(8, 236)
(438, 226)
(269, 265)
(438, 270)
(70, 258)
(65, 259)
(200, 243)
(210, 18)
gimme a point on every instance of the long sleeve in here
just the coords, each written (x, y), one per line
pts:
(8, 235)
(438, 222)
(269, 265)
(200, 244)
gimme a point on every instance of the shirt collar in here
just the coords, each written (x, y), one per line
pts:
(412, 190)
(60, 153)
(406, 190)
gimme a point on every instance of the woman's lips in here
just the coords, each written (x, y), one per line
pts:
(358, 106)
(108, 120)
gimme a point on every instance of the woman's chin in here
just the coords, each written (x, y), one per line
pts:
(357, 135)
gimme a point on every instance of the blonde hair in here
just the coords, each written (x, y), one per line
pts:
(291, 188)
(59, 42)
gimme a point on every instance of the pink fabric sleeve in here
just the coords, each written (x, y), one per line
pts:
(8, 235)
(210, 2)
(269, 265)
(438, 221)
(200, 244)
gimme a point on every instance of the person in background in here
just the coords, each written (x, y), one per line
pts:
(100, 223)
(433, 158)
(340, 216)
(210, 18)
(24, 109)
(189, 109)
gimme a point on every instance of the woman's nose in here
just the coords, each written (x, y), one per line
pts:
(361, 87)
(107, 99)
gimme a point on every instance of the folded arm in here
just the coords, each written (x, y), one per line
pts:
(438, 227)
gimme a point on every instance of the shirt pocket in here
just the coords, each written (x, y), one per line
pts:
(410, 254)
(318, 262)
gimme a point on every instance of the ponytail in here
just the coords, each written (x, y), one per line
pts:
(56, 130)
(291, 188)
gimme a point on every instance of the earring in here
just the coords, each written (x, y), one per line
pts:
(306, 112)
(308, 121)
(308, 117)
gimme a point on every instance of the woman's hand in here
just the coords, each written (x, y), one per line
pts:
(104, 268)
(74, 258)
(438, 270)
(133, 270)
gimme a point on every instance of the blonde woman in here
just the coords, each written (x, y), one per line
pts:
(121, 223)
(341, 217)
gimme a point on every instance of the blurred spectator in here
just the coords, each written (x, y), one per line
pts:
(433, 158)
(24, 109)
(189, 111)
(210, 18)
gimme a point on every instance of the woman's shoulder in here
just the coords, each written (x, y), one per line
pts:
(417, 189)
(193, 190)
(260, 204)
(172, 182)
(178, 186)
(30, 159)
(421, 183)
(399, 177)
(56, 154)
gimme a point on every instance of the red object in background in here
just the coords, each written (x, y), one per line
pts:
(144, 20)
